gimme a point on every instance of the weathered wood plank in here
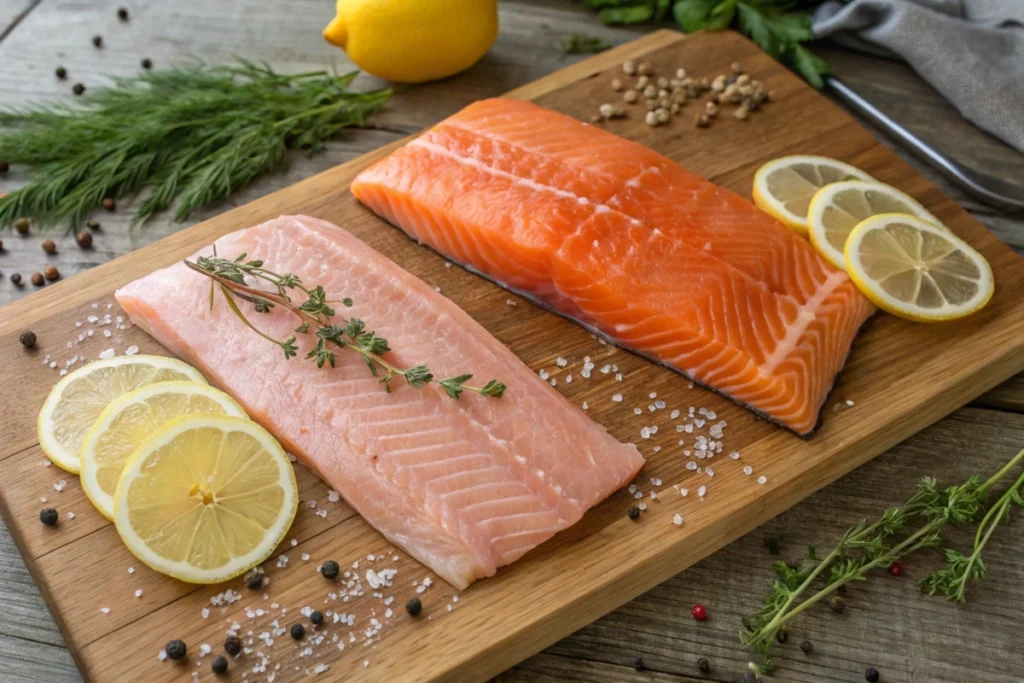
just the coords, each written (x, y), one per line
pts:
(888, 623)
(23, 613)
(26, 661)
(11, 12)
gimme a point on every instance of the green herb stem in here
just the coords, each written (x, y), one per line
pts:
(318, 316)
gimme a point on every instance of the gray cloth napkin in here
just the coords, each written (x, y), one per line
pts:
(971, 51)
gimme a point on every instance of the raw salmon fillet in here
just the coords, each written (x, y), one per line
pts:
(465, 486)
(624, 240)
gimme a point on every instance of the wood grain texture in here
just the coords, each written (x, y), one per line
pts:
(902, 377)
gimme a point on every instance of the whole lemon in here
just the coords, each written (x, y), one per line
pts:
(411, 41)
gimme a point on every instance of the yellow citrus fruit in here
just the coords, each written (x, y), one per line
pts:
(411, 41)
(916, 270)
(78, 399)
(838, 207)
(206, 498)
(783, 187)
(131, 419)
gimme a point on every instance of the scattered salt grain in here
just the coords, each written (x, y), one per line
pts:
(734, 455)
(653, 395)
(642, 506)
(131, 570)
(618, 376)
(554, 382)
(684, 492)
(109, 353)
(849, 402)
(748, 470)
(510, 303)
(701, 490)
(616, 398)
(674, 414)
(691, 465)
(333, 496)
(677, 519)
(131, 350)
(561, 362)
(543, 374)
(762, 479)
(655, 481)
(205, 613)
(586, 406)
(162, 655)
(637, 411)
(105, 610)
(138, 594)
(305, 557)
(708, 471)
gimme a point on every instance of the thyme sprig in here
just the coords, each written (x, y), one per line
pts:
(892, 536)
(319, 318)
(189, 134)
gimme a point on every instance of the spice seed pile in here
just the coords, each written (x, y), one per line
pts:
(665, 98)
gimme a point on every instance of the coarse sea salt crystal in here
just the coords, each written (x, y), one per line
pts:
(543, 374)
(305, 557)
(674, 414)
(131, 350)
(735, 455)
(762, 479)
(691, 465)
(554, 382)
(205, 612)
(659, 404)
(631, 489)
(510, 303)
(748, 470)
(849, 402)
(109, 353)
(637, 411)
(561, 362)
(701, 490)
(642, 506)
(656, 481)
(618, 376)
(131, 570)
(586, 406)
(616, 398)
(105, 610)
(138, 593)
(684, 492)
(333, 496)
(677, 519)
(162, 655)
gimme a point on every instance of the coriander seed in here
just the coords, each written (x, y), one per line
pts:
(630, 97)
(736, 68)
(92, 224)
(617, 85)
(49, 517)
(28, 337)
(629, 67)
(21, 225)
(109, 204)
(78, 88)
(742, 113)
(51, 273)
(38, 280)
(837, 604)
(645, 69)
(61, 72)
(49, 246)
(642, 82)
(84, 239)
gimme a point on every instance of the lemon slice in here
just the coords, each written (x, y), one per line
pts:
(131, 419)
(916, 270)
(836, 209)
(78, 399)
(206, 498)
(783, 188)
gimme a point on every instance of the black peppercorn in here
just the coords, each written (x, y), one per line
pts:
(16, 279)
(84, 239)
(316, 618)
(48, 516)
(97, 41)
(637, 663)
(21, 225)
(772, 543)
(330, 569)
(781, 636)
(807, 647)
(78, 88)
(414, 606)
(750, 677)
(254, 580)
(703, 665)
(28, 337)
(837, 604)
(219, 665)
(122, 13)
(61, 72)
(633, 512)
(4, 167)
(298, 631)
(233, 646)
(147, 63)
(176, 650)
(871, 675)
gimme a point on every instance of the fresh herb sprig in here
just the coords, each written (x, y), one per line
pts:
(190, 134)
(319, 318)
(581, 43)
(779, 27)
(868, 546)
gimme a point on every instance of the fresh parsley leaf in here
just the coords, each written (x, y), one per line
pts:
(636, 14)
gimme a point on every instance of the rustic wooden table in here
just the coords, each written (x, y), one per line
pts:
(888, 624)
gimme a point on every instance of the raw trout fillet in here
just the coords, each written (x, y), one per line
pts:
(624, 240)
(465, 486)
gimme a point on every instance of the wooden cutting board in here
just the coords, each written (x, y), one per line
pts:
(900, 378)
